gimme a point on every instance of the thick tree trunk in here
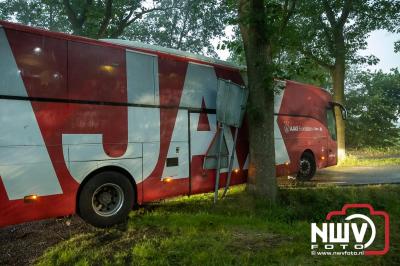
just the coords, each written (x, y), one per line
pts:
(338, 96)
(261, 177)
(338, 76)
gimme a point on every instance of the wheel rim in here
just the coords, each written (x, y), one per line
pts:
(305, 167)
(108, 199)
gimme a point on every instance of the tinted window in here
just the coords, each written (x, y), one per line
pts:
(96, 73)
(330, 118)
(142, 78)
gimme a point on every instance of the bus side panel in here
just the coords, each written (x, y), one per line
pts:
(98, 76)
(302, 122)
(301, 134)
(204, 180)
(171, 76)
(191, 86)
(26, 168)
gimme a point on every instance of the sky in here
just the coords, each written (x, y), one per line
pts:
(380, 44)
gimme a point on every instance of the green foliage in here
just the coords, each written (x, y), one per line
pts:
(311, 39)
(188, 25)
(239, 230)
(295, 66)
(397, 46)
(289, 65)
(321, 26)
(288, 62)
(373, 102)
(44, 13)
(91, 18)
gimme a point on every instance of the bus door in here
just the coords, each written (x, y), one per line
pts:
(203, 128)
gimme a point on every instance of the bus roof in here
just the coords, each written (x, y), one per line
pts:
(171, 51)
(126, 44)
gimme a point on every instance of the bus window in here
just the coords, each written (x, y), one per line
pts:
(330, 118)
(142, 78)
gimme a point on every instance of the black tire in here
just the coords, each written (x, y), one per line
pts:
(106, 199)
(307, 167)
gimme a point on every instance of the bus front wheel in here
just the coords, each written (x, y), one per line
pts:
(307, 167)
(106, 199)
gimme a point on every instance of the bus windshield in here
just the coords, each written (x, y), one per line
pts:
(331, 121)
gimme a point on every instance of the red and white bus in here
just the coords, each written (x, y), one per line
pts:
(97, 127)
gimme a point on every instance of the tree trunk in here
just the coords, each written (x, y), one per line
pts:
(338, 75)
(261, 175)
(338, 96)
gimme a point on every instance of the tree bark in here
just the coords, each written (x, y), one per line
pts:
(338, 96)
(338, 71)
(76, 21)
(261, 175)
(338, 76)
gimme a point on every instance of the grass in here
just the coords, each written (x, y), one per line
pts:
(372, 157)
(239, 230)
(376, 151)
(352, 160)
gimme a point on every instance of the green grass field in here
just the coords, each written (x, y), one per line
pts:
(372, 157)
(239, 230)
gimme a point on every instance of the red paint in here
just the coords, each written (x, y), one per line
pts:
(307, 110)
(228, 74)
(85, 82)
(171, 79)
(204, 124)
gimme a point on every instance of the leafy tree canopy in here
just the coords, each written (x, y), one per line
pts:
(373, 101)
(321, 25)
(183, 24)
(188, 27)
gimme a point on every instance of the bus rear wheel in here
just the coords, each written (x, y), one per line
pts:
(307, 167)
(106, 199)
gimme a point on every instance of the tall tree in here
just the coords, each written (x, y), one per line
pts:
(289, 64)
(261, 24)
(373, 101)
(332, 32)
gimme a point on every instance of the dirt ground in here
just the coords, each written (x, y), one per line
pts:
(23, 244)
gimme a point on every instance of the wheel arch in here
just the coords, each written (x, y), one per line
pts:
(112, 168)
(308, 151)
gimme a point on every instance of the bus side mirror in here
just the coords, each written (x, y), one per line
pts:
(343, 109)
